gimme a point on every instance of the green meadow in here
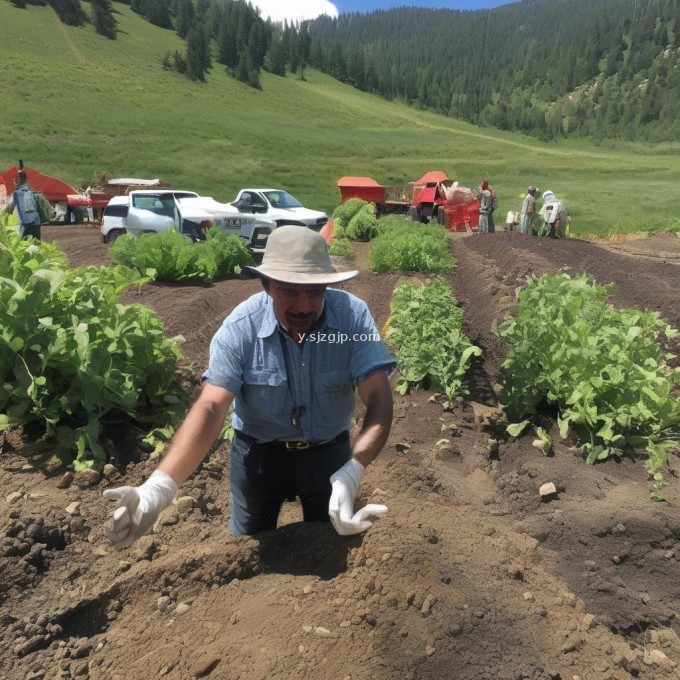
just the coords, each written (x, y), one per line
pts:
(73, 103)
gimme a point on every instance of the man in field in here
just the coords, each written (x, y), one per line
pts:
(290, 359)
(23, 201)
(487, 204)
(528, 211)
(555, 215)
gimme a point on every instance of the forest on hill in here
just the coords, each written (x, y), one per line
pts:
(597, 68)
(548, 68)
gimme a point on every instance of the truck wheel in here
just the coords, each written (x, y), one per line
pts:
(412, 214)
(114, 234)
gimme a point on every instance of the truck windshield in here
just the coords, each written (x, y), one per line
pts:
(282, 199)
(161, 204)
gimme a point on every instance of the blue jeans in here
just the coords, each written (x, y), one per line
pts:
(262, 477)
(525, 225)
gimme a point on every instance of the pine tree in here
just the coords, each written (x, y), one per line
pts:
(69, 11)
(202, 9)
(185, 17)
(227, 53)
(103, 19)
(196, 67)
(277, 58)
(158, 13)
(337, 64)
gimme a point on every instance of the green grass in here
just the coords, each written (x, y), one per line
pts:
(74, 103)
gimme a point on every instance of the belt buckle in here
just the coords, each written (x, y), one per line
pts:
(297, 445)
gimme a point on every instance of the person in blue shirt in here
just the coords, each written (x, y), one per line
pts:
(24, 202)
(290, 359)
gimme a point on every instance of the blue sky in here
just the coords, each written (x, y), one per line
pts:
(279, 10)
(357, 6)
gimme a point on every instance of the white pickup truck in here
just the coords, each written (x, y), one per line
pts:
(279, 206)
(153, 211)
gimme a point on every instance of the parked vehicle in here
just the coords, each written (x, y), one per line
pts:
(154, 211)
(113, 219)
(279, 206)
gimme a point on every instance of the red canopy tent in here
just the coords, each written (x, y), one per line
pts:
(52, 188)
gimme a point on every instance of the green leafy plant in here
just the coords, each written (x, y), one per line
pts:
(344, 213)
(516, 429)
(341, 247)
(545, 439)
(229, 252)
(603, 368)
(72, 357)
(432, 351)
(363, 226)
(174, 258)
(407, 247)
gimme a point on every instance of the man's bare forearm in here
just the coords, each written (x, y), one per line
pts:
(197, 434)
(376, 394)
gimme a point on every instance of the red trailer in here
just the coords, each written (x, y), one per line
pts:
(394, 199)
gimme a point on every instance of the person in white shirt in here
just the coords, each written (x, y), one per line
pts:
(554, 214)
(511, 220)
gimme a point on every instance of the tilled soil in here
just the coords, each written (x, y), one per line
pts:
(470, 576)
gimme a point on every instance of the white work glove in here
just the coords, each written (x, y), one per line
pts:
(138, 507)
(345, 483)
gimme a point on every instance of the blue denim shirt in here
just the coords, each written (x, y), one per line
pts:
(22, 199)
(247, 357)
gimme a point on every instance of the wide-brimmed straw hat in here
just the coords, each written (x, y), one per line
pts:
(296, 254)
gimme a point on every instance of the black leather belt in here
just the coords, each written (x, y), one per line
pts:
(295, 445)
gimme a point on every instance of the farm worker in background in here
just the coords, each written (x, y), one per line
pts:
(528, 211)
(27, 210)
(290, 359)
(448, 192)
(511, 220)
(487, 204)
(554, 214)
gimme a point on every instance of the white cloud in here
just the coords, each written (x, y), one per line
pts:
(297, 10)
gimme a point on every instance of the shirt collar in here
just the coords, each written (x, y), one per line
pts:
(269, 320)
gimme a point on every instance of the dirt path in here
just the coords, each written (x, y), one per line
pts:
(469, 576)
(67, 38)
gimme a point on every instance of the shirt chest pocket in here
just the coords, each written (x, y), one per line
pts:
(335, 383)
(264, 389)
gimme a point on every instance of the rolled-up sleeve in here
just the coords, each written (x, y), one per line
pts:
(225, 366)
(369, 352)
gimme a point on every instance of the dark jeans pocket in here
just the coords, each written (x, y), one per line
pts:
(240, 447)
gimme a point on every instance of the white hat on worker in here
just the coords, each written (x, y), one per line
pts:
(298, 255)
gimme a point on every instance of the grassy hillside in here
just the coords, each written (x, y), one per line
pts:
(73, 103)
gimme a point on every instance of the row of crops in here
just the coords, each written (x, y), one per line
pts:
(603, 369)
(74, 359)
